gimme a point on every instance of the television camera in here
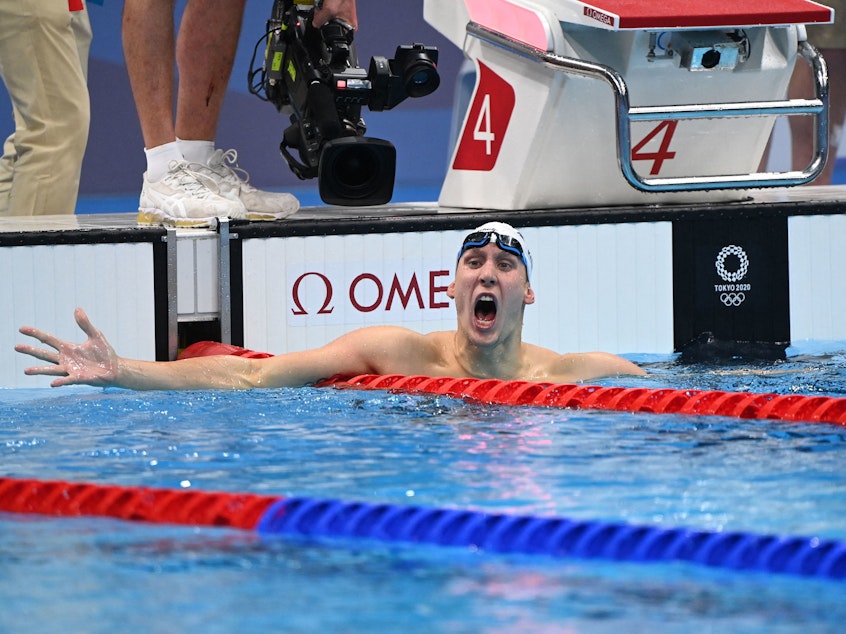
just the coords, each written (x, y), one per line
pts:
(313, 75)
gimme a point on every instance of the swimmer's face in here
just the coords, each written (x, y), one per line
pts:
(490, 291)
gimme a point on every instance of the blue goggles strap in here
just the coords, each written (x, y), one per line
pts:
(506, 243)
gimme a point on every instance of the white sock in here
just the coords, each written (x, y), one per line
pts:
(196, 151)
(159, 159)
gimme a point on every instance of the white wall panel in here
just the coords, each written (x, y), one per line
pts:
(598, 287)
(44, 284)
(817, 258)
(361, 270)
(197, 274)
(602, 287)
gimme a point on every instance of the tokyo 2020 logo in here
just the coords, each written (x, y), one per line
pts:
(733, 293)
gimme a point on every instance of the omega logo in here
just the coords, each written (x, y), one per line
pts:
(366, 293)
(598, 15)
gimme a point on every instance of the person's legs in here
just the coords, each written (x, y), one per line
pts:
(81, 27)
(148, 48)
(172, 192)
(7, 171)
(205, 54)
(180, 187)
(7, 152)
(41, 49)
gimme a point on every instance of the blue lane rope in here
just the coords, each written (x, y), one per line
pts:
(496, 533)
(555, 537)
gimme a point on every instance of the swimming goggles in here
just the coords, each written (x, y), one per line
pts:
(509, 244)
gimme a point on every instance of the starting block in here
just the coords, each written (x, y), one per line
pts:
(622, 102)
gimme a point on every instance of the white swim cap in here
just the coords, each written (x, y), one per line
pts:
(507, 238)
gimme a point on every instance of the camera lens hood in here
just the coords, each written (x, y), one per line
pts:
(357, 171)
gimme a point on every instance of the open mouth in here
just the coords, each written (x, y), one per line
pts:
(485, 311)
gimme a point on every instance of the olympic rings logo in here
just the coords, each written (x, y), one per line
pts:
(732, 299)
(732, 276)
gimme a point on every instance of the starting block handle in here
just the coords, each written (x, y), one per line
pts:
(626, 114)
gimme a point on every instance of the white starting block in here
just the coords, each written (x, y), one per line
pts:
(626, 101)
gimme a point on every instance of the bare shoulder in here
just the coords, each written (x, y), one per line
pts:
(584, 366)
(387, 336)
(392, 349)
(369, 350)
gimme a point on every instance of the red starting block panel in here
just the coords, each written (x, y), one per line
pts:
(703, 14)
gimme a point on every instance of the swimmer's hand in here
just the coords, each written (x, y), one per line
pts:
(93, 362)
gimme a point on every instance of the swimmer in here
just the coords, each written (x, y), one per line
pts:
(491, 290)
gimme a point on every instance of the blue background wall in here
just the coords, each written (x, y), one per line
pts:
(114, 162)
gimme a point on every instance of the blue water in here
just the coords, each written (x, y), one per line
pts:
(103, 575)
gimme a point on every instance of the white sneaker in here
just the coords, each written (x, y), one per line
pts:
(233, 183)
(184, 198)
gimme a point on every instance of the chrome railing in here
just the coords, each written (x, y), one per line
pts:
(626, 114)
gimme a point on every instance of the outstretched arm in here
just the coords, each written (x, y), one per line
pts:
(95, 362)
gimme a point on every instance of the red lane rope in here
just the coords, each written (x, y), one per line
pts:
(235, 510)
(786, 407)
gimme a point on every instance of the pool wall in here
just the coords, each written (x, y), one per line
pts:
(748, 278)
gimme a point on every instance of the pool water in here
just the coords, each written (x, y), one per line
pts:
(714, 473)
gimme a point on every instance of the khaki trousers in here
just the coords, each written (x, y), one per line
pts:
(44, 65)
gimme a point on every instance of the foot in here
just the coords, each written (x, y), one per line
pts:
(184, 198)
(233, 183)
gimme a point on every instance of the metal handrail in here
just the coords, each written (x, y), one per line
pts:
(626, 114)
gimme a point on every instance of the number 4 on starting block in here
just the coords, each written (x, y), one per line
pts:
(490, 114)
(486, 123)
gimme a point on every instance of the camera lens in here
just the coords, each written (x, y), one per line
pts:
(710, 58)
(356, 168)
(357, 171)
(419, 75)
(421, 78)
